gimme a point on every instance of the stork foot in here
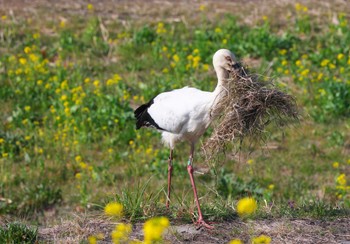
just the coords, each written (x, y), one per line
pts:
(201, 223)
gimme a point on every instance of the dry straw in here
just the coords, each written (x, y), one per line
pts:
(248, 106)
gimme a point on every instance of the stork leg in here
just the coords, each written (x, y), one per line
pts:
(170, 171)
(200, 222)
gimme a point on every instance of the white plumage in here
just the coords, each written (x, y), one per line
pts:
(185, 114)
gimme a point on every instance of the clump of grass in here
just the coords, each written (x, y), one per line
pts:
(249, 105)
(18, 233)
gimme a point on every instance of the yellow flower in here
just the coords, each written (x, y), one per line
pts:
(4, 17)
(218, 30)
(27, 50)
(341, 180)
(235, 241)
(298, 63)
(331, 66)
(121, 233)
(335, 165)
(271, 186)
(305, 72)
(92, 239)
(282, 51)
(36, 35)
(165, 70)
(262, 239)
(324, 62)
(27, 108)
(205, 67)
(27, 138)
(2, 140)
(176, 58)
(114, 209)
(23, 61)
(224, 41)
(5, 155)
(96, 83)
(250, 161)
(90, 7)
(246, 206)
(83, 165)
(78, 176)
(39, 82)
(202, 7)
(62, 23)
(153, 229)
(78, 159)
(340, 56)
(284, 63)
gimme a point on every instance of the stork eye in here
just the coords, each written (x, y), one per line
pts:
(228, 58)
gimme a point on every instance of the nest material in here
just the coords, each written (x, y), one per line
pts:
(248, 106)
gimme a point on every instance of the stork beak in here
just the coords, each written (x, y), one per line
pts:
(236, 66)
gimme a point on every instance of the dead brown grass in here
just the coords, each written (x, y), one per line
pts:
(248, 107)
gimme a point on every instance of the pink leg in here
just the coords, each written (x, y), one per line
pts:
(200, 222)
(170, 171)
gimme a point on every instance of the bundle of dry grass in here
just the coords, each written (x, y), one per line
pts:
(248, 106)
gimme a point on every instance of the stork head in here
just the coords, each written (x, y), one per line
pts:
(224, 62)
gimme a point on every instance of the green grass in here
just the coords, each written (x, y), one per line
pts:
(67, 133)
(18, 233)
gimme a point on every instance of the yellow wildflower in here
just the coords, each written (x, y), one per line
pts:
(114, 209)
(205, 67)
(83, 165)
(331, 66)
(62, 23)
(96, 83)
(246, 206)
(224, 41)
(121, 233)
(218, 30)
(27, 50)
(78, 176)
(23, 61)
(298, 63)
(36, 35)
(341, 180)
(325, 62)
(305, 72)
(27, 138)
(78, 159)
(90, 7)
(92, 239)
(27, 108)
(250, 161)
(4, 17)
(165, 70)
(176, 58)
(154, 228)
(110, 150)
(202, 7)
(262, 239)
(282, 51)
(2, 140)
(235, 241)
(5, 155)
(265, 18)
(39, 82)
(340, 56)
(335, 165)
(271, 186)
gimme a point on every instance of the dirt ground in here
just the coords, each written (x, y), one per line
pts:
(280, 231)
(66, 230)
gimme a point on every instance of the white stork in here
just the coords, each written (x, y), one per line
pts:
(185, 114)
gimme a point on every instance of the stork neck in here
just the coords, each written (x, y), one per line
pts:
(223, 77)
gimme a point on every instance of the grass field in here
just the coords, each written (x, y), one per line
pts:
(71, 75)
